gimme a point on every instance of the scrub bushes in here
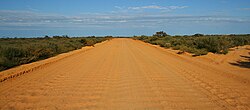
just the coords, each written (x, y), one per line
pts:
(17, 51)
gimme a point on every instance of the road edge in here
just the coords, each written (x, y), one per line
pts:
(27, 68)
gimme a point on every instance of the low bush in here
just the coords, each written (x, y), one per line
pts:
(199, 52)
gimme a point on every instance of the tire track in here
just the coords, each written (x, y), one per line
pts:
(163, 75)
(229, 96)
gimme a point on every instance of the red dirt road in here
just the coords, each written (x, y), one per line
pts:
(125, 74)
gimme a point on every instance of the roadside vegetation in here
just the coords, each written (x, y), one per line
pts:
(197, 44)
(17, 51)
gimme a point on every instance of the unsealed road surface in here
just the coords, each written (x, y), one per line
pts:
(124, 74)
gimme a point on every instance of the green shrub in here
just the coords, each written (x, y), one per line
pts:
(199, 44)
(199, 52)
(167, 45)
(12, 53)
(177, 47)
(83, 41)
(19, 51)
(90, 42)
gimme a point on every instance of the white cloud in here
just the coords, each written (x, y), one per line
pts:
(118, 7)
(157, 7)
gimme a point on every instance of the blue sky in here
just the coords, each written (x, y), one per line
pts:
(34, 18)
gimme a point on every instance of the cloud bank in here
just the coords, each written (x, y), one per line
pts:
(30, 20)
